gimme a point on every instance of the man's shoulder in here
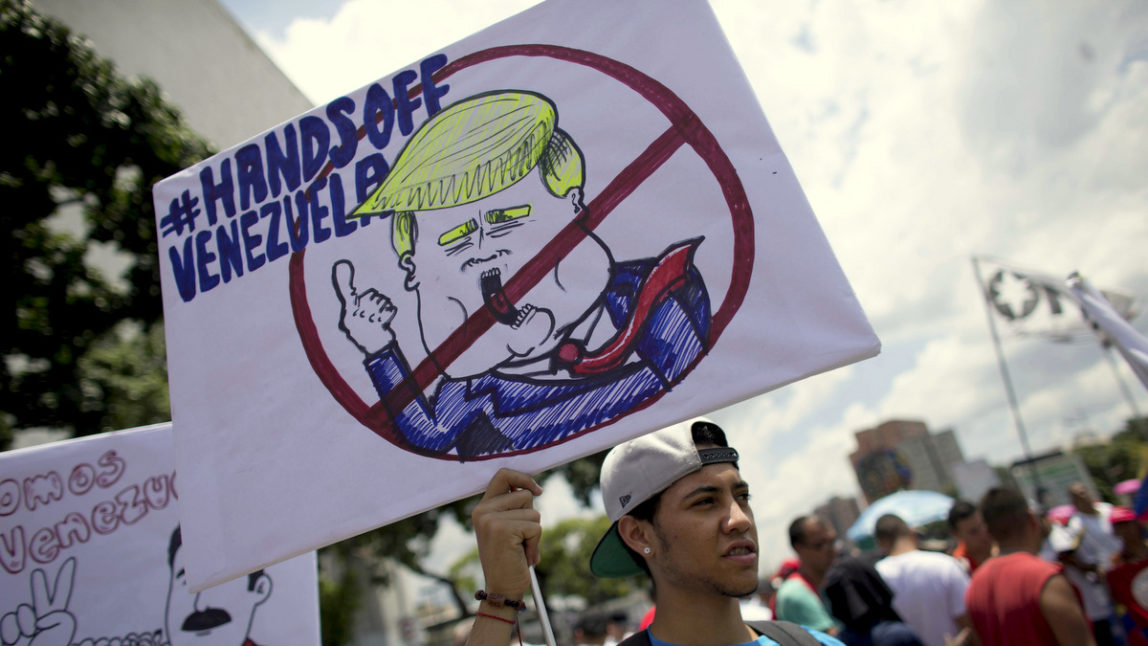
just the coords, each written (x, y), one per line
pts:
(793, 586)
(791, 633)
(1103, 511)
(1012, 565)
(935, 560)
(915, 559)
(797, 601)
(890, 565)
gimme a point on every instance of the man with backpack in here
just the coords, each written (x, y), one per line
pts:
(680, 513)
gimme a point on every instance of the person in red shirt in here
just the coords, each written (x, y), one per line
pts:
(1129, 573)
(1016, 598)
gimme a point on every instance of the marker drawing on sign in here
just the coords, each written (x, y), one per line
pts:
(531, 346)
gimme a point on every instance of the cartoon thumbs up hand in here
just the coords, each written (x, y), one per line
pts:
(365, 317)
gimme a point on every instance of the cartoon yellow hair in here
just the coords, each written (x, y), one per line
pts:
(471, 150)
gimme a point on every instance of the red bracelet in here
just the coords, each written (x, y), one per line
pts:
(503, 619)
(498, 599)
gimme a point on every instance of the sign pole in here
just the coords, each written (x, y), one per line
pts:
(540, 606)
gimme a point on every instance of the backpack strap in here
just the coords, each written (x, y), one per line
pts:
(785, 633)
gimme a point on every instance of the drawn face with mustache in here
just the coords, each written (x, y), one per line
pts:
(221, 614)
(466, 255)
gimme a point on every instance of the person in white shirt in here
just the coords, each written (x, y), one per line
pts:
(1096, 543)
(928, 587)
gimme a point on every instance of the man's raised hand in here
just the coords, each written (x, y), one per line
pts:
(365, 317)
(508, 529)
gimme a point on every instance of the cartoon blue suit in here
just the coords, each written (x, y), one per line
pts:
(495, 413)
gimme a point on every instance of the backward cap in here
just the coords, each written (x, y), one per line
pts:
(638, 470)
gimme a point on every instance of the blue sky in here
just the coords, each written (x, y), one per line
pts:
(922, 134)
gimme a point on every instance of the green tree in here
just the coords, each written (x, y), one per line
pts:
(566, 549)
(408, 541)
(1121, 458)
(338, 598)
(127, 372)
(83, 148)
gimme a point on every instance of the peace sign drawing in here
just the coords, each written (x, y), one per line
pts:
(46, 622)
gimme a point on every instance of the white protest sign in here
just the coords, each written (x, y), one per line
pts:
(90, 554)
(562, 232)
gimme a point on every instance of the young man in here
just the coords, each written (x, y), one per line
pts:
(1017, 598)
(974, 544)
(680, 513)
(1086, 565)
(928, 587)
(798, 600)
(1126, 576)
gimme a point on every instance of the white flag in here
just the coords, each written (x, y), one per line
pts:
(1133, 345)
(1033, 303)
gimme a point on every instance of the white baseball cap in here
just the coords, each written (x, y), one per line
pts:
(640, 469)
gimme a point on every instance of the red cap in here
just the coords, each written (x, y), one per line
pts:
(1122, 515)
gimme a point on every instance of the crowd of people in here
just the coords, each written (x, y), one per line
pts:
(1015, 576)
(681, 515)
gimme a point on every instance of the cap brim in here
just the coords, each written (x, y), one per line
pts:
(611, 559)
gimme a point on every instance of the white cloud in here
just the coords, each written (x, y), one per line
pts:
(369, 39)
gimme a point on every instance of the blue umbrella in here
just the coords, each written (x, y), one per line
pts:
(916, 508)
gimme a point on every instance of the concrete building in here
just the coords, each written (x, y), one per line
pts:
(1055, 471)
(839, 512)
(974, 478)
(903, 454)
(226, 87)
(931, 457)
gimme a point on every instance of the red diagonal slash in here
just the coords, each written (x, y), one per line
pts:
(685, 128)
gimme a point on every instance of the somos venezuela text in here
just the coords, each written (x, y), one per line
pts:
(31, 498)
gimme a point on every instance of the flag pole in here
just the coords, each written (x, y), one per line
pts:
(1106, 350)
(1008, 386)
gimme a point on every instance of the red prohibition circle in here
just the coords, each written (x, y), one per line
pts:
(685, 129)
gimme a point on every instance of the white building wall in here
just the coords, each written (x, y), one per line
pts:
(226, 87)
(974, 478)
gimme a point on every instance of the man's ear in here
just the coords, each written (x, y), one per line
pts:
(636, 534)
(407, 264)
(262, 588)
(1033, 520)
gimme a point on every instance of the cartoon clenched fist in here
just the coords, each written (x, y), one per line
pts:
(365, 317)
(47, 621)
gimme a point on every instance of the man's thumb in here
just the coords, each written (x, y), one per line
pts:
(343, 278)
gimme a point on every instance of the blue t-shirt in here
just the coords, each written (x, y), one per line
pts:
(821, 637)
